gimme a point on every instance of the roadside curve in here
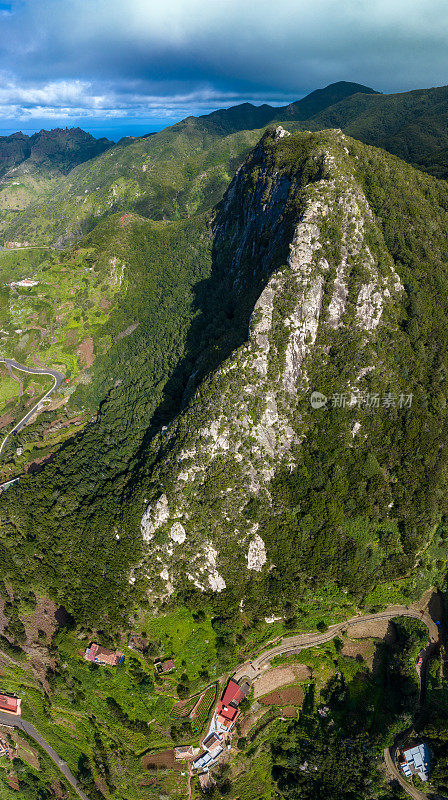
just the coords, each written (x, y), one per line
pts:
(394, 772)
(23, 725)
(292, 645)
(58, 377)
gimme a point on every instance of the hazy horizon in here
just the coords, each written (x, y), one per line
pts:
(120, 70)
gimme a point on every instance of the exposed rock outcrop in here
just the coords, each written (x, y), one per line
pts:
(302, 230)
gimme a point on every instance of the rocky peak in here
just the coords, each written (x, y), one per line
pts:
(296, 223)
(59, 149)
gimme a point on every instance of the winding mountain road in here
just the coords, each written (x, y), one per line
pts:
(26, 727)
(291, 645)
(253, 669)
(58, 377)
(303, 641)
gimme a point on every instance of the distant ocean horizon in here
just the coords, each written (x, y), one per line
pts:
(113, 132)
(117, 129)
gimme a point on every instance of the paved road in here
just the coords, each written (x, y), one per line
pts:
(23, 725)
(294, 644)
(58, 377)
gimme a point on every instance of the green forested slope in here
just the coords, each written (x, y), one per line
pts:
(324, 267)
(247, 116)
(411, 125)
(85, 485)
(186, 168)
(334, 504)
(175, 173)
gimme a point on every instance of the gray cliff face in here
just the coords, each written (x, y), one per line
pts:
(300, 228)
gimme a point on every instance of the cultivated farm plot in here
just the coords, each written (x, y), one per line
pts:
(25, 751)
(287, 697)
(183, 709)
(273, 679)
(9, 388)
(374, 629)
(203, 708)
(164, 759)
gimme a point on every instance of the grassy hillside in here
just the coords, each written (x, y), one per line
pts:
(175, 173)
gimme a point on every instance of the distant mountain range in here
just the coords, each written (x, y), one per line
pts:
(247, 116)
(412, 125)
(59, 149)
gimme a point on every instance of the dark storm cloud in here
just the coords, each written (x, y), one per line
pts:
(107, 58)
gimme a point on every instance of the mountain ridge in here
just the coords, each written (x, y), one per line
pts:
(244, 437)
(207, 507)
(184, 169)
(63, 148)
(247, 115)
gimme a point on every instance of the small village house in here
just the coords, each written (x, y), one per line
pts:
(213, 743)
(213, 748)
(227, 711)
(7, 749)
(415, 761)
(101, 655)
(11, 704)
(204, 761)
(163, 667)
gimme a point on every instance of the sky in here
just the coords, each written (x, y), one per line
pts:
(118, 67)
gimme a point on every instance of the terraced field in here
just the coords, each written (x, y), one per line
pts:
(53, 310)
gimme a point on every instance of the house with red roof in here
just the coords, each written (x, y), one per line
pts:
(102, 655)
(233, 693)
(11, 704)
(227, 711)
